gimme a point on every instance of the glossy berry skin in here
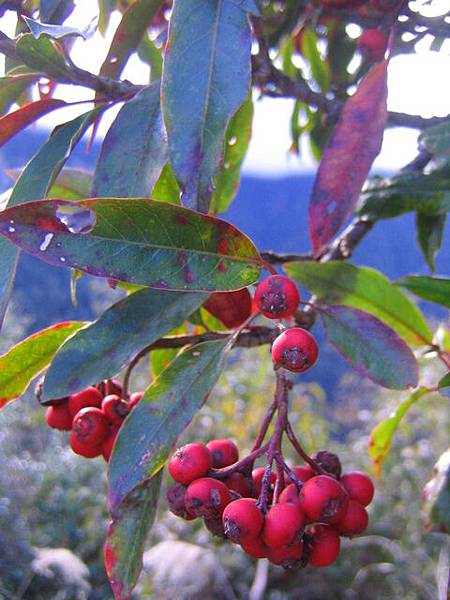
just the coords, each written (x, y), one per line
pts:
(355, 520)
(290, 495)
(283, 525)
(238, 483)
(91, 426)
(323, 500)
(207, 497)
(255, 548)
(288, 556)
(242, 520)
(372, 44)
(303, 473)
(277, 297)
(295, 349)
(324, 546)
(176, 495)
(135, 398)
(108, 443)
(83, 449)
(223, 453)
(115, 409)
(87, 397)
(359, 486)
(59, 417)
(257, 476)
(190, 462)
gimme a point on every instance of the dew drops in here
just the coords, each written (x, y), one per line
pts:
(11, 229)
(77, 219)
(226, 165)
(196, 353)
(62, 259)
(232, 141)
(113, 60)
(12, 221)
(46, 242)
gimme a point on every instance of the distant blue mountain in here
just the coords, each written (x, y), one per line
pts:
(273, 212)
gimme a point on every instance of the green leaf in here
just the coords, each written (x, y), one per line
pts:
(34, 182)
(319, 67)
(42, 55)
(134, 150)
(126, 537)
(206, 78)
(237, 139)
(71, 184)
(58, 31)
(168, 406)
(136, 240)
(381, 437)
(444, 382)
(430, 234)
(149, 53)
(436, 497)
(337, 282)
(103, 348)
(167, 188)
(405, 192)
(436, 139)
(372, 348)
(12, 87)
(434, 289)
(55, 11)
(27, 359)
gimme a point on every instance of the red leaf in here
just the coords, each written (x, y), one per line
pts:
(232, 308)
(347, 159)
(15, 121)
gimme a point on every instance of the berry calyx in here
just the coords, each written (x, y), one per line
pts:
(355, 520)
(329, 462)
(223, 453)
(283, 525)
(323, 499)
(90, 426)
(207, 497)
(83, 449)
(324, 546)
(58, 416)
(189, 463)
(295, 349)
(242, 520)
(277, 297)
(87, 397)
(115, 409)
(359, 486)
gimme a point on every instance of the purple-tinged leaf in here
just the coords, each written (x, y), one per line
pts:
(139, 241)
(206, 78)
(347, 159)
(28, 358)
(372, 348)
(231, 308)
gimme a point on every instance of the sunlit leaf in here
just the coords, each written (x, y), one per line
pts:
(43, 55)
(231, 308)
(58, 31)
(436, 139)
(12, 87)
(167, 188)
(434, 289)
(319, 67)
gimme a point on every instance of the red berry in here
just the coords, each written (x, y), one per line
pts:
(372, 44)
(277, 297)
(359, 487)
(355, 520)
(88, 397)
(323, 499)
(215, 526)
(176, 495)
(324, 546)
(290, 495)
(108, 443)
(255, 548)
(303, 473)
(115, 409)
(59, 417)
(242, 520)
(83, 449)
(91, 426)
(283, 525)
(223, 453)
(257, 476)
(190, 462)
(207, 497)
(295, 349)
(238, 483)
(288, 557)
(135, 399)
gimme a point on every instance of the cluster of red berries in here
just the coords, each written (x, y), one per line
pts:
(93, 417)
(295, 349)
(303, 527)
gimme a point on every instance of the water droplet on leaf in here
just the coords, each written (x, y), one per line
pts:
(46, 242)
(77, 219)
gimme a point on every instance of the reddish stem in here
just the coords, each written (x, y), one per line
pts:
(298, 448)
(241, 465)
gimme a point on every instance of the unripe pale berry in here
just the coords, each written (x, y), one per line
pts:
(190, 462)
(59, 417)
(176, 495)
(295, 349)
(359, 486)
(108, 443)
(355, 520)
(277, 297)
(207, 497)
(288, 557)
(91, 426)
(283, 525)
(87, 397)
(324, 546)
(115, 409)
(372, 44)
(242, 520)
(323, 499)
(223, 453)
(83, 449)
